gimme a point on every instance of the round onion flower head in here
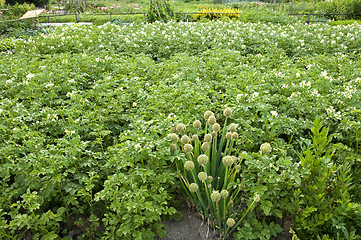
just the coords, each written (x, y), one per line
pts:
(202, 159)
(214, 134)
(256, 198)
(233, 127)
(174, 137)
(229, 135)
(212, 120)
(193, 187)
(266, 148)
(189, 165)
(181, 128)
(238, 168)
(244, 154)
(202, 176)
(208, 138)
(234, 136)
(197, 124)
(173, 147)
(210, 178)
(230, 222)
(185, 139)
(227, 161)
(207, 114)
(216, 127)
(173, 129)
(227, 112)
(187, 148)
(205, 146)
(224, 193)
(215, 196)
(195, 137)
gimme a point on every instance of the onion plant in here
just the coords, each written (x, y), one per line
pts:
(209, 171)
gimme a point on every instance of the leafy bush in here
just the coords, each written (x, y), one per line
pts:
(17, 10)
(265, 15)
(323, 202)
(16, 28)
(350, 7)
(343, 22)
(159, 10)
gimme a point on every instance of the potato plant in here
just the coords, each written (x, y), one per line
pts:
(85, 113)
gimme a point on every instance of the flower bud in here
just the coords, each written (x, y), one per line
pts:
(212, 120)
(202, 176)
(195, 138)
(173, 147)
(187, 148)
(181, 128)
(197, 124)
(266, 148)
(230, 222)
(224, 193)
(193, 187)
(227, 161)
(208, 138)
(174, 137)
(189, 165)
(185, 139)
(215, 196)
(256, 198)
(238, 168)
(228, 135)
(216, 127)
(214, 134)
(205, 146)
(234, 136)
(210, 178)
(202, 159)
(207, 114)
(233, 127)
(227, 112)
(244, 154)
(173, 129)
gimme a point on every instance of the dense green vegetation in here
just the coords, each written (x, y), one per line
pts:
(86, 111)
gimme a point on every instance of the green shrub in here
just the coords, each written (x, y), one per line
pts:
(159, 10)
(17, 10)
(265, 15)
(323, 203)
(16, 28)
(350, 7)
(343, 22)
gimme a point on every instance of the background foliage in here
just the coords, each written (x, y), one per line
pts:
(86, 111)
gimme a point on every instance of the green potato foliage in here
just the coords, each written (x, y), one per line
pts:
(85, 112)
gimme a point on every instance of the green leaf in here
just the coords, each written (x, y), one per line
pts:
(266, 206)
(50, 236)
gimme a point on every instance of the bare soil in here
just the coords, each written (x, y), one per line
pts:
(191, 227)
